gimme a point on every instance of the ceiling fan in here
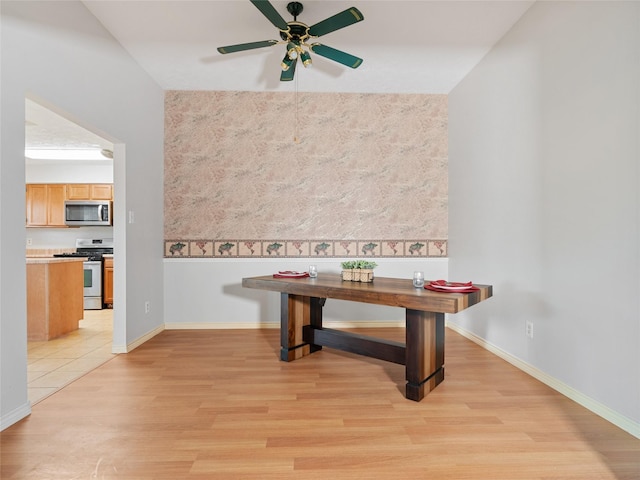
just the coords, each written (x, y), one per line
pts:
(296, 35)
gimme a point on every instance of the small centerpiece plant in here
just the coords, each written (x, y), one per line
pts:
(358, 270)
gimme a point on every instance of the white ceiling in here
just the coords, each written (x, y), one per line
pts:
(45, 129)
(407, 47)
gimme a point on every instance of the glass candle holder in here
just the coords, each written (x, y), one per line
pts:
(418, 279)
(313, 271)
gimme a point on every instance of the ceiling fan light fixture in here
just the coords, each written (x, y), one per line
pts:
(286, 63)
(292, 50)
(306, 59)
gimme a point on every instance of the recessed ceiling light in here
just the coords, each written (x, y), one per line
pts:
(64, 154)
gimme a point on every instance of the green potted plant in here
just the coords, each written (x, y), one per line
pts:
(347, 270)
(358, 270)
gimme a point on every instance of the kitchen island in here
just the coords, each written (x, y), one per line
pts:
(55, 296)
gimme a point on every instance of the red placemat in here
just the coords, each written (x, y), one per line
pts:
(290, 274)
(451, 287)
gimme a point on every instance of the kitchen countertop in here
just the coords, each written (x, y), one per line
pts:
(35, 260)
(47, 252)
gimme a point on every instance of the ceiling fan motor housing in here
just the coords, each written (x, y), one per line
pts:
(295, 9)
(297, 31)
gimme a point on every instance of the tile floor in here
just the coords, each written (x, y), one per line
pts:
(55, 363)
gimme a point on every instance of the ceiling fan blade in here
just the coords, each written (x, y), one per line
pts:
(246, 46)
(336, 55)
(271, 13)
(340, 20)
(287, 75)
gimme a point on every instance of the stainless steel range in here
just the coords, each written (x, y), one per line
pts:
(93, 249)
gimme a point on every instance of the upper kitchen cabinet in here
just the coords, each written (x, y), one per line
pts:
(45, 202)
(45, 205)
(101, 192)
(89, 191)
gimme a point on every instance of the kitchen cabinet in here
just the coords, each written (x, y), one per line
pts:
(101, 192)
(107, 278)
(45, 202)
(55, 297)
(89, 191)
(45, 205)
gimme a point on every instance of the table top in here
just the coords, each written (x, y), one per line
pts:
(395, 292)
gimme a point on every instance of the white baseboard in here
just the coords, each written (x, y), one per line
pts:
(220, 325)
(136, 343)
(594, 406)
(15, 415)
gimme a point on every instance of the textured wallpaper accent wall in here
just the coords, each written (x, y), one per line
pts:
(265, 174)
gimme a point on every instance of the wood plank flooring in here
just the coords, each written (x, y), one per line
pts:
(218, 404)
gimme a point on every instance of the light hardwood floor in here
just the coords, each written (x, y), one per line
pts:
(218, 404)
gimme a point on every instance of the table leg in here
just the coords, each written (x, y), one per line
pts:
(424, 352)
(296, 311)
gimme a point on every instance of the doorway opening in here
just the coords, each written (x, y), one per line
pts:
(59, 152)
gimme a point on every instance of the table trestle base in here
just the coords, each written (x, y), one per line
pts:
(381, 349)
(301, 333)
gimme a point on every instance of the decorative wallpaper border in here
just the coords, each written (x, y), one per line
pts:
(303, 248)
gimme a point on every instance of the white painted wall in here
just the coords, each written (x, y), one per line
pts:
(76, 172)
(544, 180)
(207, 293)
(59, 54)
(63, 237)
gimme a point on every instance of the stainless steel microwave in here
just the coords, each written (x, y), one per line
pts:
(80, 213)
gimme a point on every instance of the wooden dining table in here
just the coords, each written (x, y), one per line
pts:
(422, 354)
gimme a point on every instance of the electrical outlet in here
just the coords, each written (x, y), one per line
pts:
(147, 306)
(132, 217)
(29, 241)
(529, 329)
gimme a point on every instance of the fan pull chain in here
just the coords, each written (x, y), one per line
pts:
(296, 138)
